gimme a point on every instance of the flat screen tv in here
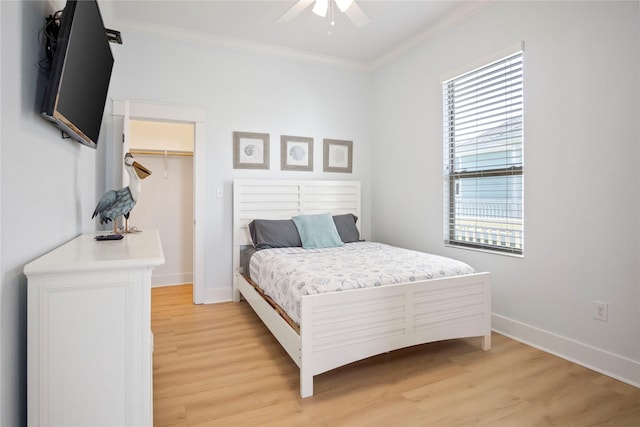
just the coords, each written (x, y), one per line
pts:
(80, 73)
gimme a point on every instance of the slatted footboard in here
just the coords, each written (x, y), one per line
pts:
(343, 327)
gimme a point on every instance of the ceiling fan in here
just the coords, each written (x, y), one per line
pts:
(322, 7)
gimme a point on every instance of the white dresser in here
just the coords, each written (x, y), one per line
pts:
(89, 344)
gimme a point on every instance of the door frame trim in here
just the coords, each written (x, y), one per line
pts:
(155, 111)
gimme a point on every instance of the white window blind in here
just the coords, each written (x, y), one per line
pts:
(483, 146)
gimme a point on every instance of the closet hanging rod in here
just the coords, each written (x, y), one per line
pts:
(162, 152)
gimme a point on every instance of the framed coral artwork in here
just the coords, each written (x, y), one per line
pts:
(338, 155)
(296, 153)
(250, 150)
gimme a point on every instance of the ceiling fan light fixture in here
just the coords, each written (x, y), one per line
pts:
(321, 7)
(326, 7)
(344, 4)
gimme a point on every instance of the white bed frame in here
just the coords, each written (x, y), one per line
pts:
(342, 327)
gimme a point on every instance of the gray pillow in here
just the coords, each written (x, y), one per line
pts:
(346, 226)
(274, 233)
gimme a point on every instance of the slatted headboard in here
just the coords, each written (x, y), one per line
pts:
(282, 199)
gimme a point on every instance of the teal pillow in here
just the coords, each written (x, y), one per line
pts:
(317, 231)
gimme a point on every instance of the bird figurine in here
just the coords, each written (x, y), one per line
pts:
(120, 202)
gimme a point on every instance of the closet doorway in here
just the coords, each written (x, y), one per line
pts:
(172, 201)
(166, 202)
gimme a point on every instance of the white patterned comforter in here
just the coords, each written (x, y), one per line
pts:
(286, 274)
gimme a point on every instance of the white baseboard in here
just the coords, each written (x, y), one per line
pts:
(612, 365)
(212, 296)
(171, 279)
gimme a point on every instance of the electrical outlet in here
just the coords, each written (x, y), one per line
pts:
(601, 310)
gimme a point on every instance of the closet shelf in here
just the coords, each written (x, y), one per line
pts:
(162, 152)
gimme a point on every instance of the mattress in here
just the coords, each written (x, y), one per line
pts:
(287, 274)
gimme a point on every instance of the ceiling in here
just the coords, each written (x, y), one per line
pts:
(395, 25)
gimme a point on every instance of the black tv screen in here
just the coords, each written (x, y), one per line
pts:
(80, 73)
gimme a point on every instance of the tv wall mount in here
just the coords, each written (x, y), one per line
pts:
(113, 36)
(52, 25)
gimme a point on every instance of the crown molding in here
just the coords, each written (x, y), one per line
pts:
(446, 22)
(443, 24)
(237, 44)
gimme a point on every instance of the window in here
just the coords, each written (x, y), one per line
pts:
(483, 146)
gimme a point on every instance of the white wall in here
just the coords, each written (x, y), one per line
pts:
(582, 210)
(246, 92)
(47, 194)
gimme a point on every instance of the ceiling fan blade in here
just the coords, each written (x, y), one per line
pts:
(295, 10)
(357, 16)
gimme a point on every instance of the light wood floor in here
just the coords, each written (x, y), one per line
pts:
(218, 365)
